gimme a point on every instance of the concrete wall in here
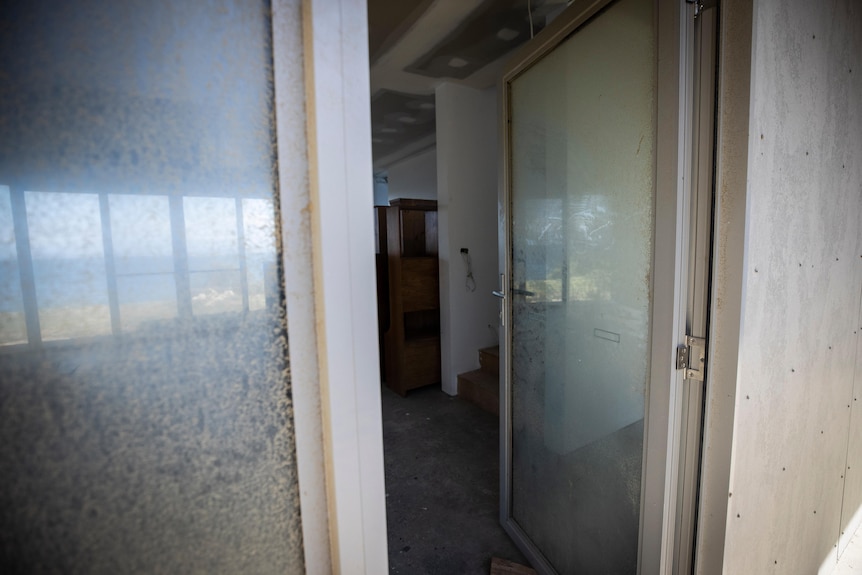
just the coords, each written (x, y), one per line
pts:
(789, 498)
(415, 177)
(467, 135)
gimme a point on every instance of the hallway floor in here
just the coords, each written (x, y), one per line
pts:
(442, 485)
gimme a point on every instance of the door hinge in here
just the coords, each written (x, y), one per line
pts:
(691, 357)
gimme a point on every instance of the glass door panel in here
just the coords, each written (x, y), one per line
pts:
(582, 196)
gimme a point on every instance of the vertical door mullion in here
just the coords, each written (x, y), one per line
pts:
(240, 243)
(25, 266)
(181, 257)
(110, 264)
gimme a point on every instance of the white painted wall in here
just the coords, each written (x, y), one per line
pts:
(795, 402)
(381, 191)
(467, 136)
(415, 177)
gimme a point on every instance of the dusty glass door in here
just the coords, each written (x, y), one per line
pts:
(146, 412)
(581, 195)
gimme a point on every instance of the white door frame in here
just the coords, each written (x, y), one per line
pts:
(322, 94)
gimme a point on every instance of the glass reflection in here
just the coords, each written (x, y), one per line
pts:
(68, 264)
(259, 236)
(143, 260)
(80, 265)
(213, 254)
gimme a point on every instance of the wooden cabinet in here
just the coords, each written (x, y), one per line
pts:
(412, 343)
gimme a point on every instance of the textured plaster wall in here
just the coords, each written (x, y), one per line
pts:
(793, 481)
(415, 178)
(467, 202)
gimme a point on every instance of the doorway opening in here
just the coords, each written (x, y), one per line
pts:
(435, 69)
(567, 233)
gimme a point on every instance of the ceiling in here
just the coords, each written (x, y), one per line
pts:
(416, 45)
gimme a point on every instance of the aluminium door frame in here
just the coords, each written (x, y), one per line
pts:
(733, 113)
(670, 276)
(703, 64)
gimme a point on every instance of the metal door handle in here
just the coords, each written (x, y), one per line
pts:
(502, 295)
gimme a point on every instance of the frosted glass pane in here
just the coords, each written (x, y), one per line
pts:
(211, 233)
(145, 300)
(13, 329)
(141, 231)
(147, 426)
(259, 232)
(582, 215)
(68, 264)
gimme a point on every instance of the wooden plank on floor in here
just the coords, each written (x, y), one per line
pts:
(503, 567)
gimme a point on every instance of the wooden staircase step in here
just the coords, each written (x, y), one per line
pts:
(489, 359)
(504, 567)
(482, 388)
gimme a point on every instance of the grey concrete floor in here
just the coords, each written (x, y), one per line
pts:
(442, 485)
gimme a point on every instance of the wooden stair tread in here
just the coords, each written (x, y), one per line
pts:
(489, 359)
(503, 567)
(482, 388)
(482, 378)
